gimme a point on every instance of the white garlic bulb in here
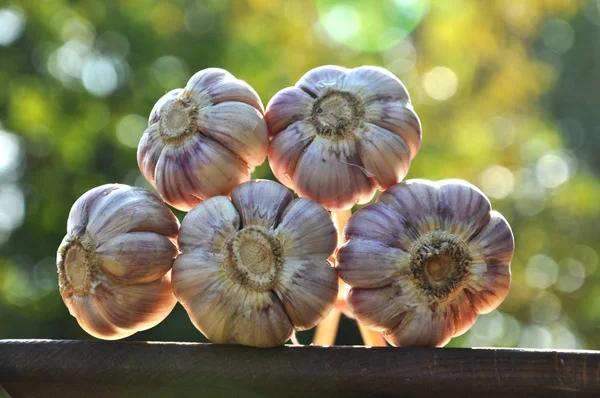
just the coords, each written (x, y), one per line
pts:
(114, 263)
(203, 140)
(424, 260)
(254, 268)
(341, 134)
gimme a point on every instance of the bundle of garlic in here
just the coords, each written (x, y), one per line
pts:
(203, 140)
(421, 263)
(254, 268)
(114, 263)
(424, 260)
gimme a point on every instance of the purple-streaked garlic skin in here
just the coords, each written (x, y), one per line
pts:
(114, 264)
(424, 260)
(340, 134)
(203, 140)
(254, 268)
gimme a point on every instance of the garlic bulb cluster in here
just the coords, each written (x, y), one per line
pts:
(254, 268)
(341, 134)
(203, 140)
(424, 260)
(114, 263)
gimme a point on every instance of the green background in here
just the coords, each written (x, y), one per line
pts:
(507, 92)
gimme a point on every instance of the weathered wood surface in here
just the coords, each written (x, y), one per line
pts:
(55, 368)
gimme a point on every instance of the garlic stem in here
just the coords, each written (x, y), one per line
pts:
(371, 337)
(327, 329)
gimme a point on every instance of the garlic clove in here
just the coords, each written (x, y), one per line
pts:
(119, 248)
(462, 312)
(385, 155)
(320, 80)
(308, 291)
(135, 306)
(372, 83)
(265, 323)
(332, 174)
(214, 85)
(419, 203)
(89, 318)
(420, 327)
(149, 149)
(130, 209)
(399, 118)
(200, 169)
(369, 264)
(287, 106)
(307, 231)
(194, 271)
(492, 251)
(238, 127)
(466, 209)
(137, 257)
(494, 242)
(226, 313)
(260, 202)
(79, 215)
(379, 222)
(378, 309)
(287, 147)
(208, 226)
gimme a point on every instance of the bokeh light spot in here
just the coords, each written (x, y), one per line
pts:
(130, 129)
(541, 271)
(9, 153)
(12, 209)
(371, 26)
(342, 22)
(572, 276)
(99, 76)
(535, 337)
(545, 308)
(440, 83)
(497, 181)
(12, 24)
(170, 72)
(552, 170)
(558, 35)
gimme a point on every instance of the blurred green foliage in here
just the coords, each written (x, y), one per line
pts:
(506, 91)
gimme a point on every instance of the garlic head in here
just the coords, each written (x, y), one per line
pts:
(424, 260)
(341, 134)
(204, 139)
(254, 268)
(114, 263)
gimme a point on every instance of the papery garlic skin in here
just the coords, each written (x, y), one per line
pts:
(114, 263)
(424, 260)
(341, 134)
(254, 268)
(203, 140)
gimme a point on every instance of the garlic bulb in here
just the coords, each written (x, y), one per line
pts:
(114, 263)
(203, 140)
(424, 260)
(254, 268)
(340, 134)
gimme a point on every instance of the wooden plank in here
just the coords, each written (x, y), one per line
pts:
(61, 368)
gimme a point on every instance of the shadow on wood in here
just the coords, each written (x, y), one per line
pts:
(55, 368)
